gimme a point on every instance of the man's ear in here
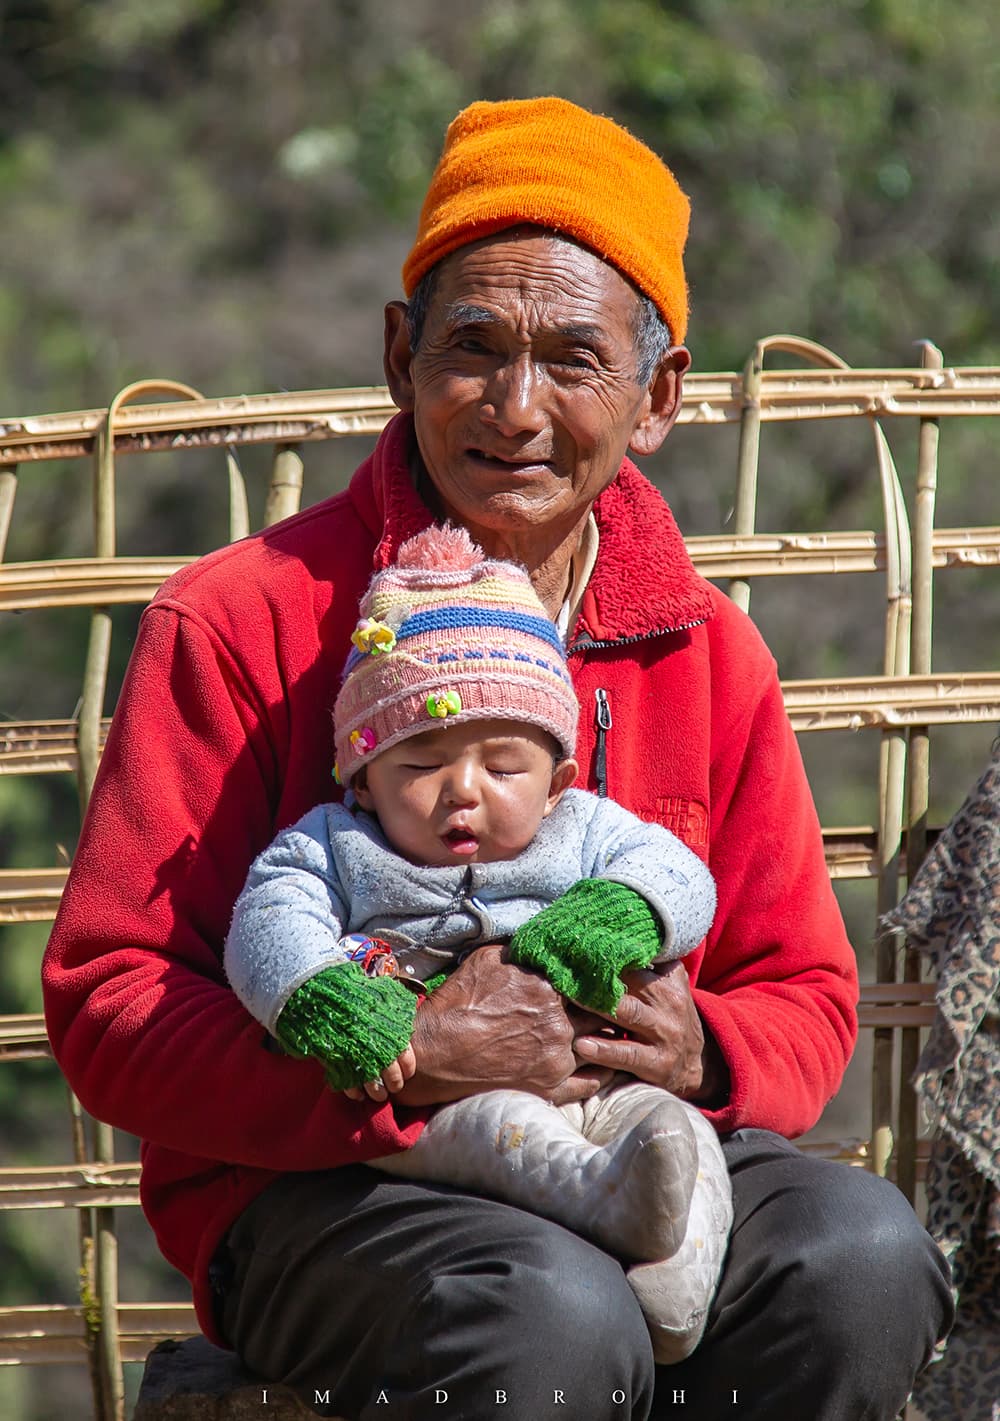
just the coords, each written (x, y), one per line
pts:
(663, 402)
(563, 774)
(397, 356)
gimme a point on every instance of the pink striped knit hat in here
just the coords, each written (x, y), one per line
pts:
(447, 635)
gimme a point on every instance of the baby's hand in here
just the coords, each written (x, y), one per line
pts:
(393, 1078)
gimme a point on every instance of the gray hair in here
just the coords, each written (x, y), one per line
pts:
(418, 306)
(651, 338)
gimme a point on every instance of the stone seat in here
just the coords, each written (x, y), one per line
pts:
(192, 1380)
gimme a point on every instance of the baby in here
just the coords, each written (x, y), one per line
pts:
(455, 729)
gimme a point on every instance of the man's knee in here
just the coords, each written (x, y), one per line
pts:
(862, 1265)
(541, 1316)
(471, 1295)
(549, 1283)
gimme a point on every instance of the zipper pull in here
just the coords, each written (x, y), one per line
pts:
(602, 717)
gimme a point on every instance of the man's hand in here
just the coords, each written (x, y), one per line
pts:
(666, 1042)
(490, 1026)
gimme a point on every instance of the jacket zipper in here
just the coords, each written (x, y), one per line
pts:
(602, 717)
(588, 644)
(602, 710)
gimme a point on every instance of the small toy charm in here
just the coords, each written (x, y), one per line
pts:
(363, 741)
(450, 703)
(376, 957)
(373, 637)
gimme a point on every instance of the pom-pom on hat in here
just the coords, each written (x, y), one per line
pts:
(550, 163)
(446, 635)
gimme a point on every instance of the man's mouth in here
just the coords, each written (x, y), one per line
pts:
(504, 463)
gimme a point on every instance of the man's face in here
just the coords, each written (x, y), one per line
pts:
(523, 387)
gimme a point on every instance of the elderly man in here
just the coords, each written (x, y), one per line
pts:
(541, 342)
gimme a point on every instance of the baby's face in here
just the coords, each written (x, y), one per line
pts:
(468, 793)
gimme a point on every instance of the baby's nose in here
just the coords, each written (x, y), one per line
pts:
(461, 785)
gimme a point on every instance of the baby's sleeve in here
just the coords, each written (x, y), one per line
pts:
(659, 867)
(288, 920)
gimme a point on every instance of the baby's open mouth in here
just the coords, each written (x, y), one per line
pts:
(461, 841)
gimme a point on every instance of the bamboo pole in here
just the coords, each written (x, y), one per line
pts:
(747, 465)
(51, 1333)
(239, 509)
(103, 1246)
(87, 1276)
(94, 1289)
(919, 756)
(80, 582)
(285, 489)
(95, 672)
(8, 491)
(109, 1355)
(294, 417)
(892, 783)
(795, 554)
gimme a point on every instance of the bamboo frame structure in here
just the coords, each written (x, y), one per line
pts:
(31, 895)
(850, 703)
(305, 416)
(99, 1244)
(900, 703)
(78, 582)
(897, 559)
(56, 1333)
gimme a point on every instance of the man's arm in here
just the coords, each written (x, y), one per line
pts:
(764, 1032)
(141, 1019)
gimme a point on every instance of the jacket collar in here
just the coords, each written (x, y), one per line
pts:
(644, 582)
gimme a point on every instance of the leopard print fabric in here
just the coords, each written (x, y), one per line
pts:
(951, 914)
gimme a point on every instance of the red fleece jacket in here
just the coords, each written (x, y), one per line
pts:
(223, 735)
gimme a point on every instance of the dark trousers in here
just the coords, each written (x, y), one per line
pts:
(381, 1300)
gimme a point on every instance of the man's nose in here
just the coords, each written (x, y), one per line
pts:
(512, 399)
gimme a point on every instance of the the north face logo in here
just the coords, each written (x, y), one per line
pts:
(684, 817)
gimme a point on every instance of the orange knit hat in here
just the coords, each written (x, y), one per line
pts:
(552, 164)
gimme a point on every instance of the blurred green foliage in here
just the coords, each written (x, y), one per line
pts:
(222, 191)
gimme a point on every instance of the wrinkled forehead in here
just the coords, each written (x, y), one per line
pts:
(536, 276)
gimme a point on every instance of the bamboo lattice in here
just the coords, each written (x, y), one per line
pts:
(899, 701)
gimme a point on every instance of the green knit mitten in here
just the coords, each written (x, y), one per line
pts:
(355, 1025)
(584, 941)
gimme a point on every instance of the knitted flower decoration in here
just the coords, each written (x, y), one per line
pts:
(373, 636)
